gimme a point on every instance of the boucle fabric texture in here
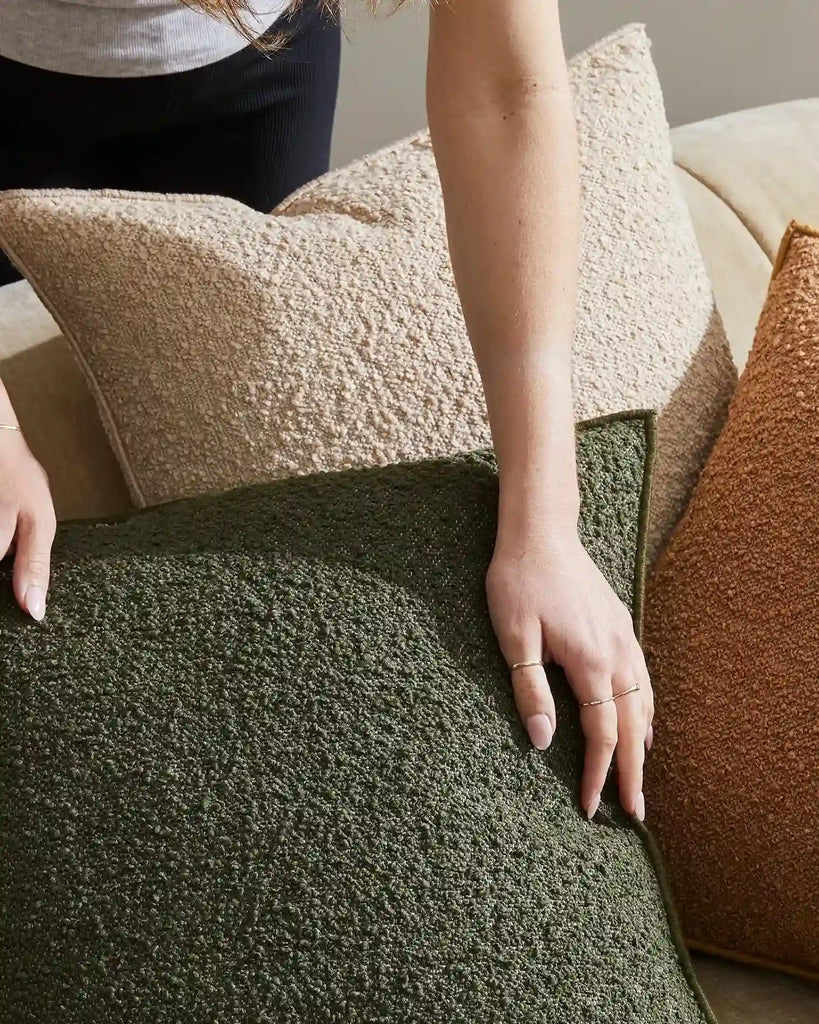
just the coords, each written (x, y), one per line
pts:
(227, 347)
(733, 645)
(261, 762)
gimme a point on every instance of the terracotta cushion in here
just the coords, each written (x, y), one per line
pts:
(732, 642)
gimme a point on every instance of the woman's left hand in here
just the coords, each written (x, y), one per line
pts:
(549, 601)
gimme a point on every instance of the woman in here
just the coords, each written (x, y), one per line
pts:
(155, 96)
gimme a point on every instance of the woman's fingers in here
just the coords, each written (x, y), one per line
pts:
(631, 736)
(535, 703)
(533, 696)
(521, 641)
(599, 724)
(646, 692)
(32, 560)
(8, 527)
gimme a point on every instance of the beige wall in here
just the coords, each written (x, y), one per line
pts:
(713, 56)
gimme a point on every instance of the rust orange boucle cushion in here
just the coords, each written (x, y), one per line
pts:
(732, 636)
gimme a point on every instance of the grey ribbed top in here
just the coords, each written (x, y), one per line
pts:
(121, 38)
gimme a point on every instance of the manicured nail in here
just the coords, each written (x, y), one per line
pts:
(540, 730)
(35, 602)
(640, 808)
(592, 808)
(649, 737)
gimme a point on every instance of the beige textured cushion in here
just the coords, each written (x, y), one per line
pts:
(56, 410)
(226, 346)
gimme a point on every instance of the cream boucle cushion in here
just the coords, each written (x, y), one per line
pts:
(227, 346)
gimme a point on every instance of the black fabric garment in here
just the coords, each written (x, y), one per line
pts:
(252, 127)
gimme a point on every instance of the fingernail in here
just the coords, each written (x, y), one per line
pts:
(640, 808)
(540, 730)
(35, 603)
(592, 808)
(649, 737)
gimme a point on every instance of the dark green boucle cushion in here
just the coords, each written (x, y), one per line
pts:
(261, 763)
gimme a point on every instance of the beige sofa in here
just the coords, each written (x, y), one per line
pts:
(744, 177)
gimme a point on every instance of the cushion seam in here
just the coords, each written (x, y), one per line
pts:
(715, 192)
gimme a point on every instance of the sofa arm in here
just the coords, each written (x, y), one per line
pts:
(745, 177)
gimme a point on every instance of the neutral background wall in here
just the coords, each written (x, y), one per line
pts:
(713, 56)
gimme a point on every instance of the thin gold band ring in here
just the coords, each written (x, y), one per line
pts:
(524, 664)
(614, 696)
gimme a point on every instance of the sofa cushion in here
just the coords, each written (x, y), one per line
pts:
(737, 266)
(763, 163)
(227, 347)
(261, 761)
(745, 994)
(56, 410)
(733, 645)
(745, 175)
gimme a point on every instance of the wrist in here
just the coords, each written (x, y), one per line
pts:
(529, 517)
(537, 495)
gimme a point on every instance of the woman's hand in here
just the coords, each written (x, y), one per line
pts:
(549, 601)
(27, 521)
(503, 131)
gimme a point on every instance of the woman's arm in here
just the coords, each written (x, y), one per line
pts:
(503, 131)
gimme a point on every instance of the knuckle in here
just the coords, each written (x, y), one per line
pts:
(623, 637)
(633, 727)
(38, 566)
(40, 517)
(516, 639)
(606, 736)
(594, 663)
(531, 689)
(607, 742)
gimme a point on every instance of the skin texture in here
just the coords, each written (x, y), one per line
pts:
(503, 133)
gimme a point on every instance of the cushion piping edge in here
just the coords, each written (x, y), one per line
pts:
(680, 945)
(649, 418)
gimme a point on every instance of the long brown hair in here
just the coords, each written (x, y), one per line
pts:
(232, 11)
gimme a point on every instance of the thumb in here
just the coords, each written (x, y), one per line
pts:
(32, 562)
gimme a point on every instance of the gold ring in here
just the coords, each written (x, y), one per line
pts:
(614, 696)
(10, 426)
(524, 664)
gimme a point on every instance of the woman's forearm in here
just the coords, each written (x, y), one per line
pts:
(503, 132)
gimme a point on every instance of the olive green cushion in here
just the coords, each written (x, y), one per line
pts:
(261, 763)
